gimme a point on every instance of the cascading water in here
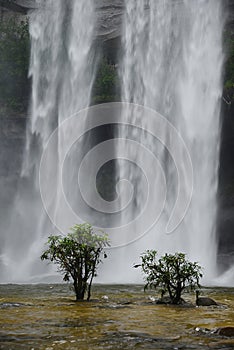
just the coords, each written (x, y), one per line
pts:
(62, 71)
(172, 62)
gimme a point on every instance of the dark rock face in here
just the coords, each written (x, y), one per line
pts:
(225, 331)
(109, 15)
(225, 224)
(12, 138)
(203, 301)
(230, 6)
(109, 19)
(20, 6)
(222, 331)
(108, 32)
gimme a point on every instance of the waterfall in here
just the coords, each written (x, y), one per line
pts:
(172, 62)
(62, 70)
(166, 144)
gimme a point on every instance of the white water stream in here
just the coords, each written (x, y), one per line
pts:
(171, 61)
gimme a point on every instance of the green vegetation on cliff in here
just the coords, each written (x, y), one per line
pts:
(106, 85)
(229, 67)
(14, 62)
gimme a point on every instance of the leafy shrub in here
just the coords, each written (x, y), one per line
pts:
(77, 255)
(172, 273)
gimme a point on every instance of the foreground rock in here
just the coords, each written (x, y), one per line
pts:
(204, 301)
(225, 331)
(221, 331)
(167, 301)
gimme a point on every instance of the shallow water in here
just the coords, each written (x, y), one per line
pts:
(47, 317)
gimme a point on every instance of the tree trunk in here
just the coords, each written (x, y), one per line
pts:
(177, 297)
(170, 293)
(79, 291)
(91, 279)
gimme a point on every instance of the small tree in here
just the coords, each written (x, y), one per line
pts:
(172, 273)
(77, 255)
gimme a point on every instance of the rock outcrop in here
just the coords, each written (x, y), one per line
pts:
(109, 14)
